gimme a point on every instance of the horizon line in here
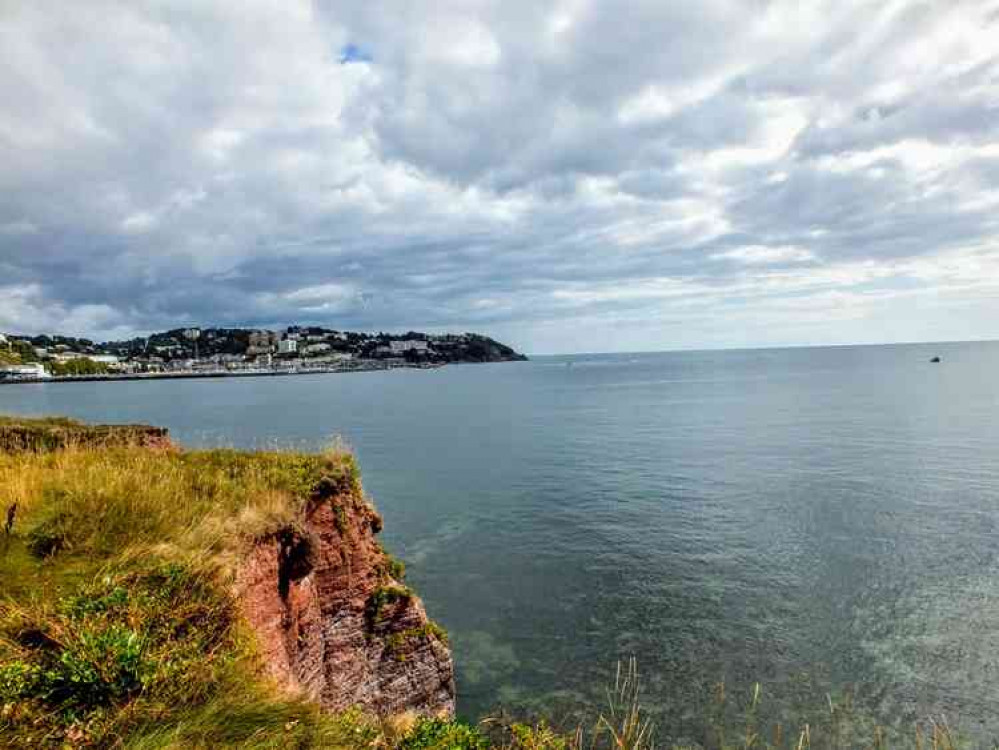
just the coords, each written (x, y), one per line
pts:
(723, 348)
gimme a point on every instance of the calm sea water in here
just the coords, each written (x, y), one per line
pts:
(823, 521)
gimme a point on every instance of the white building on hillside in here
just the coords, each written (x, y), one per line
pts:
(399, 347)
(112, 362)
(32, 371)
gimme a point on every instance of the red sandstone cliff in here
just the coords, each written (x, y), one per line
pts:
(332, 621)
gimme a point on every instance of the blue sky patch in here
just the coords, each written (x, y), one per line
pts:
(352, 53)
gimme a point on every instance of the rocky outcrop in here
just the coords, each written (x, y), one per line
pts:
(334, 622)
(44, 435)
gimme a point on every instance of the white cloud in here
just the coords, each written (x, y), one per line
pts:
(762, 255)
(138, 223)
(510, 166)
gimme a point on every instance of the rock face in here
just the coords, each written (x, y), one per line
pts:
(332, 621)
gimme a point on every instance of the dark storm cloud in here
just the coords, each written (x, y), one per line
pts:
(569, 175)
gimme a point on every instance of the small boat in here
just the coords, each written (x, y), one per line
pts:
(935, 360)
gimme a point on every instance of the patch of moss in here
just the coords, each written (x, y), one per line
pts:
(340, 518)
(381, 598)
(395, 568)
(396, 643)
(391, 566)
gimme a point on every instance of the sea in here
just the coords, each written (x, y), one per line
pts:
(788, 533)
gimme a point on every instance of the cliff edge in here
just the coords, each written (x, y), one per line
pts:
(157, 597)
(332, 620)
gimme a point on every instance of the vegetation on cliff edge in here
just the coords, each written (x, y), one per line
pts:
(118, 626)
(117, 623)
(42, 435)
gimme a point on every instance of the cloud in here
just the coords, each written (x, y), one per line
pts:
(582, 174)
(762, 255)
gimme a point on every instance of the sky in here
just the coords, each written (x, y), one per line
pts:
(577, 175)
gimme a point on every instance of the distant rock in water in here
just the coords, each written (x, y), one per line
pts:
(935, 360)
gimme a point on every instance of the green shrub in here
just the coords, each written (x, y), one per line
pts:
(382, 597)
(396, 643)
(18, 680)
(162, 635)
(395, 568)
(80, 366)
(440, 734)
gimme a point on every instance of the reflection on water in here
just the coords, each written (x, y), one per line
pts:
(822, 521)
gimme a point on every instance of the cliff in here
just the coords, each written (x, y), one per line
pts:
(175, 598)
(334, 623)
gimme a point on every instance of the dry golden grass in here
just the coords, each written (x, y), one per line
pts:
(102, 503)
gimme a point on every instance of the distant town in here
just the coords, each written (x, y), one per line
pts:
(222, 352)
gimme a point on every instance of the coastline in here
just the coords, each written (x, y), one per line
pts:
(225, 352)
(372, 366)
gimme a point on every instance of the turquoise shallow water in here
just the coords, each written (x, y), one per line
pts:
(821, 520)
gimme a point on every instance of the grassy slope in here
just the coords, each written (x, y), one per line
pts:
(115, 623)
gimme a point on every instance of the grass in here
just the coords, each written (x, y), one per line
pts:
(110, 655)
(94, 503)
(732, 723)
